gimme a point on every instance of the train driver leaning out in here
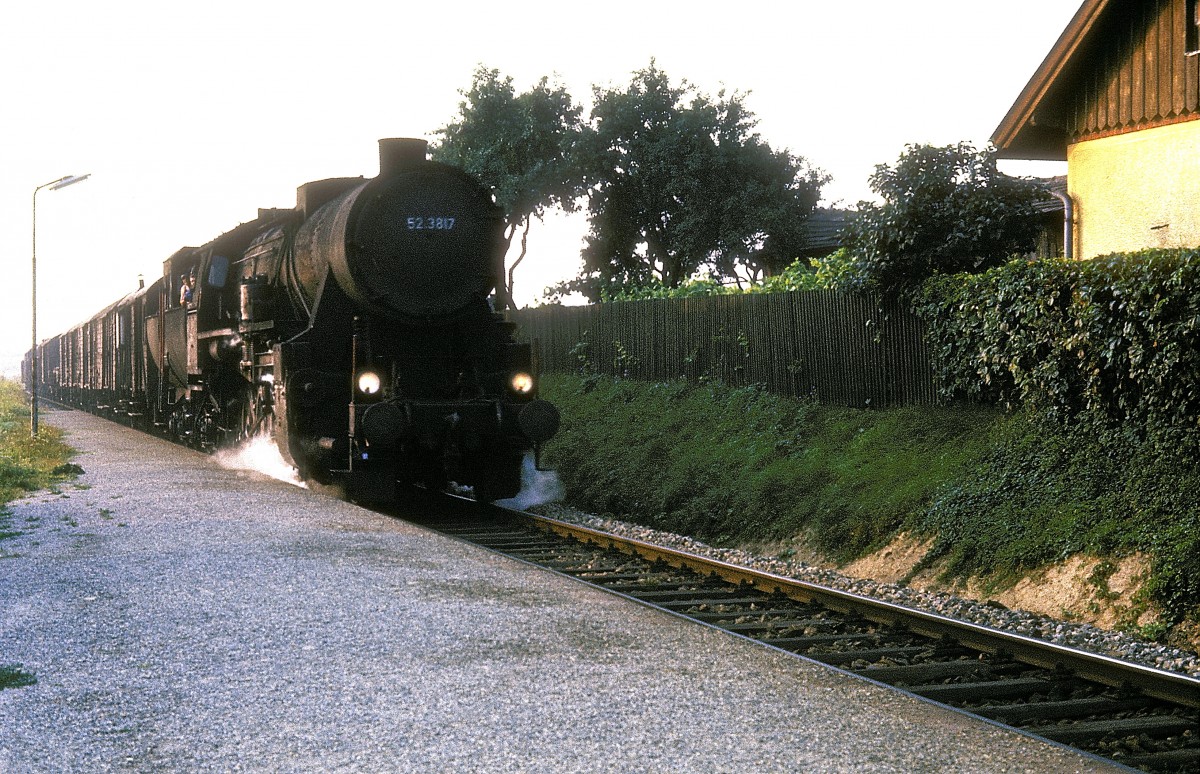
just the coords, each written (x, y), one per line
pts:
(186, 290)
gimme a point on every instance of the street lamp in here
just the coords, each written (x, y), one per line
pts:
(54, 185)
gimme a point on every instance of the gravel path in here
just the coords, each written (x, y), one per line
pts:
(179, 616)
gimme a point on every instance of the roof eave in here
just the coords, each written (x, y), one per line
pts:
(1017, 136)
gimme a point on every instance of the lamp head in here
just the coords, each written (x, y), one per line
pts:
(63, 182)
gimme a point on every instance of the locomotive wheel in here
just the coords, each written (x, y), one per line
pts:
(499, 480)
(431, 475)
(247, 426)
(243, 418)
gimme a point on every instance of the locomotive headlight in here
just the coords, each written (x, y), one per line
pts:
(369, 383)
(522, 383)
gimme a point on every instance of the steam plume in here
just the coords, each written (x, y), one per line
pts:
(260, 454)
(538, 487)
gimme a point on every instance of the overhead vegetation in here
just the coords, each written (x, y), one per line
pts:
(679, 181)
(675, 180)
(944, 210)
(828, 273)
(523, 146)
(679, 185)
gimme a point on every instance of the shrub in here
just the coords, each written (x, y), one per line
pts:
(1044, 491)
(944, 210)
(1110, 342)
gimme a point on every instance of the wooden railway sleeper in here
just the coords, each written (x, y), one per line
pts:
(925, 673)
(1184, 759)
(788, 625)
(1086, 732)
(692, 607)
(977, 692)
(623, 583)
(768, 617)
(652, 594)
(851, 659)
(593, 575)
(1021, 714)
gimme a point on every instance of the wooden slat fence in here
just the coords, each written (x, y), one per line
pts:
(838, 349)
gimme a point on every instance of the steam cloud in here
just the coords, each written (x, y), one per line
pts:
(260, 454)
(538, 487)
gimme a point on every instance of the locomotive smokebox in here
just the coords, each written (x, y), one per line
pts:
(422, 242)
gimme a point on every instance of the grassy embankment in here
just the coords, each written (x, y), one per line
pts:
(999, 494)
(26, 465)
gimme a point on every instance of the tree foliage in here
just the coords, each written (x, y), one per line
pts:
(945, 210)
(826, 273)
(678, 181)
(521, 145)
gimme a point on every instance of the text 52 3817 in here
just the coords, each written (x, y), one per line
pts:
(431, 223)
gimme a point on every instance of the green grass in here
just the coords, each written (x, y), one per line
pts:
(13, 676)
(28, 464)
(1044, 492)
(1000, 494)
(740, 465)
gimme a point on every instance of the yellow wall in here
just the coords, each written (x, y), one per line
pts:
(1136, 190)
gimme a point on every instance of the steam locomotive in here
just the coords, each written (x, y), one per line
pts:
(359, 327)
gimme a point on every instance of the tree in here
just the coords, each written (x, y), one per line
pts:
(945, 210)
(678, 182)
(522, 146)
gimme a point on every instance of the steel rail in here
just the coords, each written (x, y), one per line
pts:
(1167, 686)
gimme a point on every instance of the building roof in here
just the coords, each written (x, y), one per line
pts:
(1050, 203)
(825, 230)
(1019, 135)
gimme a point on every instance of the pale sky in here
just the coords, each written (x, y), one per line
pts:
(191, 117)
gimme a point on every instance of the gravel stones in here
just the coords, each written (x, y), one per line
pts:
(1082, 636)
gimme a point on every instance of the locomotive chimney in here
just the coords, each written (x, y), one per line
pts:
(398, 154)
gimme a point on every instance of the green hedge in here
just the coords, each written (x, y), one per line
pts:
(1112, 341)
(1102, 358)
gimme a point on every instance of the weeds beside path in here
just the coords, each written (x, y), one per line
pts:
(27, 464)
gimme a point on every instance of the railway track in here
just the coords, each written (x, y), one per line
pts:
(1143, 718)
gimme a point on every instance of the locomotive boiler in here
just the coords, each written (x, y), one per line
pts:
(360, 327)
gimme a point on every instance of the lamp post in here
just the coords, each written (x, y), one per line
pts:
(54, 185)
